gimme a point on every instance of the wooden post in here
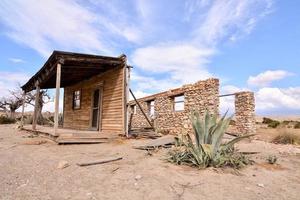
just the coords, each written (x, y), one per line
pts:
(36, 104)
(148, 120)
(23, 107)
(56, 113)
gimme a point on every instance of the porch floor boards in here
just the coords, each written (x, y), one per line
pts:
(71, 136)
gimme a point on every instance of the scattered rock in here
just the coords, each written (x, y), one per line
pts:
(138, 177)
(62, 164)
(260, 185)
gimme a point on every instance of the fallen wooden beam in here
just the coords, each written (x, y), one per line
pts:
(165, 141)
(99, 162)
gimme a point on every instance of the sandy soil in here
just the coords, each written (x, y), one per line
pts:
(29, 171)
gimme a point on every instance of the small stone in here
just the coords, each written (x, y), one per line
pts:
(138, 177)
(260, 185)
(135, 184)
(62, 164)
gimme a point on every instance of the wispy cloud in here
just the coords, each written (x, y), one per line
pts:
(11, 80)
(230, 19)
(266, 78)
(48, 25)
(173, 43)
(209, 24)
(16, 60)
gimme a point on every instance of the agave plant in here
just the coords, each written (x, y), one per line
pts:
(207, 148)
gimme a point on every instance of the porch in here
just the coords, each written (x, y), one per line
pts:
(95, 95)
(70, 136)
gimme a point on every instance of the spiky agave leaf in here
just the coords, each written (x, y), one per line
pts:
(198, 127)
(230, 144)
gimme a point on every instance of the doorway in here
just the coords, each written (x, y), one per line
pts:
(95, 111)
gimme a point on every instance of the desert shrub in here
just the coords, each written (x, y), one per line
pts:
(297, 125)
(273, 124)
(207, 150)
(6, 120)
(267, 120)
(286, 138)
(272, 159)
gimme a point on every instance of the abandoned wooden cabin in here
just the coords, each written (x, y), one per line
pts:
(95, 91)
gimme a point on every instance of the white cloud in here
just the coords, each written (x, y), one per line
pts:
(266, 78)
(227, 102)
(213, 22)
(278, 98)
(16, 60)
(183, 62)
(267, 99)
(148, 83)
(138, 94)
(48, 25)
(11, 80)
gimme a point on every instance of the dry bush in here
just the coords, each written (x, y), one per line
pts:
(297, 125)
(6, 120)
(285, 137)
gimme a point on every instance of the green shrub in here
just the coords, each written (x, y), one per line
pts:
(273, 124)
(297, 125)
(207, 150)
(267, 120)
(6, 120)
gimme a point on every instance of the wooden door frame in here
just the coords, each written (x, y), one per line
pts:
(99, 121)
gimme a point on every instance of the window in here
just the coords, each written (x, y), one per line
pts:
(76, 99)
(179, 103)
(151, 108)
(133, 109)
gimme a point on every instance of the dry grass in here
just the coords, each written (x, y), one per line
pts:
(286, 137)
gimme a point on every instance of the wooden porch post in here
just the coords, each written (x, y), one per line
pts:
(23, 107)
(37, 96)
(58, 77)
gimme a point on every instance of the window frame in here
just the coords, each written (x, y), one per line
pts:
(181, 101)
(133, 109)
(150, 106)
(79, 98)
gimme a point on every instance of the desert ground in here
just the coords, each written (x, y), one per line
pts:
(29, 170)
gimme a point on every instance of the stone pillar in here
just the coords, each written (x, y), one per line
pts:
(245, 112)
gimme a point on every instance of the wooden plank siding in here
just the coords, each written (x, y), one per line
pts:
(112, 111)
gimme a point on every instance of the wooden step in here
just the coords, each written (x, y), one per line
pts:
(80, 140)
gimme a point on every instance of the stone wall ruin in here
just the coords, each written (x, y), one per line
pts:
(201, 96)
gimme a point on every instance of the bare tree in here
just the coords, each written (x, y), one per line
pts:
(44, 98)
(15, 101)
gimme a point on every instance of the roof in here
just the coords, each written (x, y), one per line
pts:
(76, 67)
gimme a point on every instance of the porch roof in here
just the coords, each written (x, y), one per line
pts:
(75, 68)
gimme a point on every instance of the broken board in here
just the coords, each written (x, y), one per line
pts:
(165, 141)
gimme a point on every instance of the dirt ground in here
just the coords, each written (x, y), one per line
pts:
(29, 170)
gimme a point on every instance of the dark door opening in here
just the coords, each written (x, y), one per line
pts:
(95, 110)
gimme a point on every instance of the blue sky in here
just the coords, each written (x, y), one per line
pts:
(249, 45)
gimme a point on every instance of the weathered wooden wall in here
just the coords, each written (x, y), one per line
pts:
(113, 110)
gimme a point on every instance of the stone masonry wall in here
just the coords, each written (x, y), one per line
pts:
(245, 112)
(201, 96)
